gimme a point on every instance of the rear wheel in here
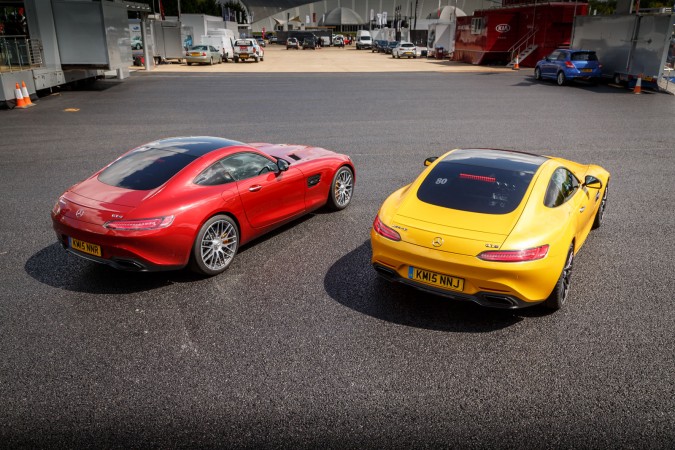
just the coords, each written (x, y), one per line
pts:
(189, 64)
(211, 61)
(341, 189)
(215, 246)
(537, 73)
(256, 59)
(561, 79)
(557, 299)
(601, 210)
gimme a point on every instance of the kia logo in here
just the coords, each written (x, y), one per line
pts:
(503, 28)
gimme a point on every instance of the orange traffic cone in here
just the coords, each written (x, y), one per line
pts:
(26, 95)
(516, 66)
(20, 102)
(638, 85)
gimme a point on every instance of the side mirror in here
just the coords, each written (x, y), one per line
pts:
(591, 182)
(282, 164)
(428, 161)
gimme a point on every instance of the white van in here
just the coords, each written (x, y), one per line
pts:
(363, 39)
(222, 40)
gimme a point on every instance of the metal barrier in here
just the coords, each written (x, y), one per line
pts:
(20, 53)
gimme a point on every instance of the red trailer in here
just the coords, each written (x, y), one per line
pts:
(532, 31)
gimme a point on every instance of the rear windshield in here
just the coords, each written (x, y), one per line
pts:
(145, 169)
(584, 56)
(199, 47)
(474, 188)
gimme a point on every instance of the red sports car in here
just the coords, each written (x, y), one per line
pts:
(194, 200)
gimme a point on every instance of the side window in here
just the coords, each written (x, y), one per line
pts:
(247, 165)
(213, 176)
(562, 56)
(553, 56)
(562, 187)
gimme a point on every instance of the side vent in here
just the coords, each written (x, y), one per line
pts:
(313, 180)
(295, 157)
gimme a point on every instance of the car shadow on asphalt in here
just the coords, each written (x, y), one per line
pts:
(352, 282)
(601, 87)
(55, 267)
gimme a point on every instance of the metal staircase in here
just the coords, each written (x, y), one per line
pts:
(523, 48)
(524, 53)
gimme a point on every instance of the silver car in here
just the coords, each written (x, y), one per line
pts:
(203, 54)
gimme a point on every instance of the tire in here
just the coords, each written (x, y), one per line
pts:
(537, 73)
(257, 59)
(215, 246)
(341, 189)
(601, 210)
(617, 79)
(558, 297)
(211, 61)
(189, 64)
(560, 79)
(235, 59)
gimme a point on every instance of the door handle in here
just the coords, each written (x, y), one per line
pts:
(255, 188)
(582, 209)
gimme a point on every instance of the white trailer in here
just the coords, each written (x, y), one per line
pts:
(627, 45)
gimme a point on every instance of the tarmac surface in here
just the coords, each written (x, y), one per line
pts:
(299, 344)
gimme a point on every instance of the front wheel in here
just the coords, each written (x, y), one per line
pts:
(560, 79)
(557, 299)
(537, 73)
(215, 246)
(601, 209)
(341, 189)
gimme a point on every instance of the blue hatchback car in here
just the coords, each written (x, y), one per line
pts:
(565, 65)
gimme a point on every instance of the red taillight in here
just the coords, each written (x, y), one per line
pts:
(531, 254)
(569, 65)
(384, 230)
(140, 224)
(203, 53)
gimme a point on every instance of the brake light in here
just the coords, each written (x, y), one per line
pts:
(569, 65)
(203, 53)
(140, 224)
(530, 254)
(467, 176)
(383, 230)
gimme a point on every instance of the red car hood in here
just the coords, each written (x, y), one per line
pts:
(293, 153)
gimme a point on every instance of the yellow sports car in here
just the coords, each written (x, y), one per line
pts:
(496, 227)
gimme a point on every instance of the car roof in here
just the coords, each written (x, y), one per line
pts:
(499, 159)
(196, 146)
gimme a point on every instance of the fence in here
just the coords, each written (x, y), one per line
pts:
(20, 53)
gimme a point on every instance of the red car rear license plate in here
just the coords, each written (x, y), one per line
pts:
(436, 279)
(85, 247)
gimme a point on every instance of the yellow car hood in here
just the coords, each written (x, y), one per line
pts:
(462, 232)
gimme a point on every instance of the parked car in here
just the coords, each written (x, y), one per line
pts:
(338, 42)
(245, 49)
(309, 43)
(192, 201)
(378, 46)
(274, 40)
(364, 40)
(390, 47)
(496, 227)
(136, 43)
(565, 65)
(261, 42)
(292, 43)
(407, 49)
(203, 54)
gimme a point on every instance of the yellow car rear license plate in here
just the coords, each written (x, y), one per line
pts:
(195, 54)
(587, 70)
(436, 279)
(85, 247)
(243, 55)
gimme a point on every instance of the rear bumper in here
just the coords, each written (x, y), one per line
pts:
(488, 299)
(140, 251)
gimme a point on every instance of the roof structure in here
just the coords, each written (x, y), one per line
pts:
(342, 16)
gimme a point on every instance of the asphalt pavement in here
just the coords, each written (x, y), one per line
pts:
(299, 344)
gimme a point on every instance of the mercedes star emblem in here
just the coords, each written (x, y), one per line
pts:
(437, 242)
